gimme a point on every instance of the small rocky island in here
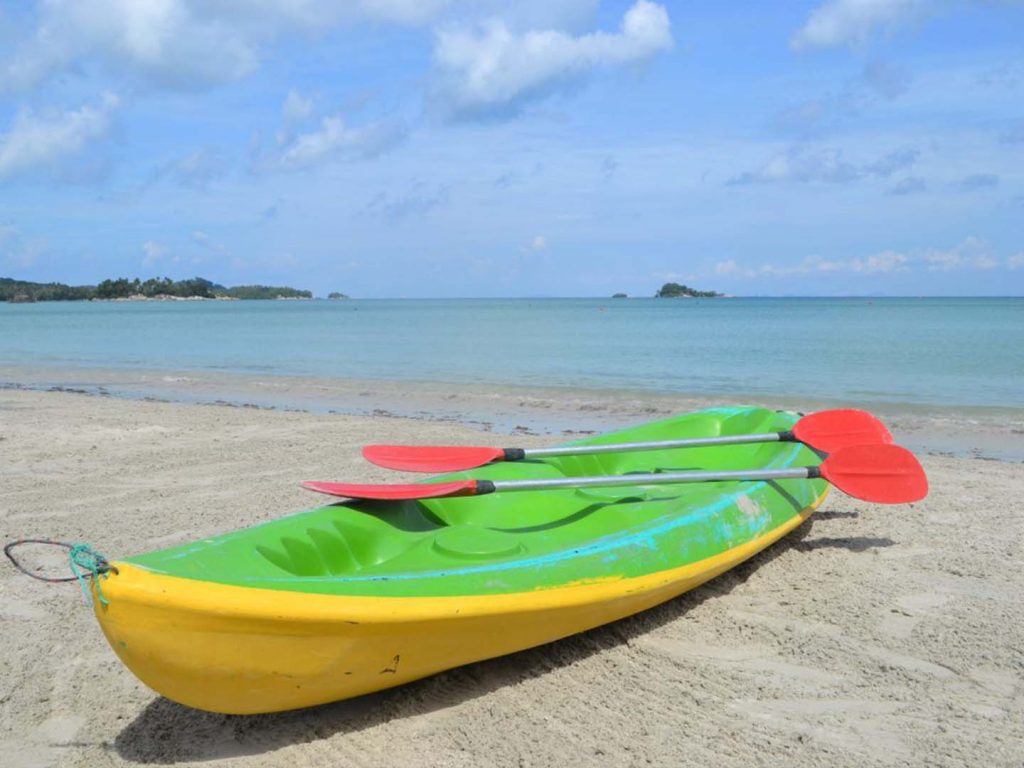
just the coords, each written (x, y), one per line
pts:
(677, 291)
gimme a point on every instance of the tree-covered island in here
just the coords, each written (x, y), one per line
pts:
(155, 288)
(677, 291)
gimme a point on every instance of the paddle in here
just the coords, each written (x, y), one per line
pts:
(883, 473)
(825, 431)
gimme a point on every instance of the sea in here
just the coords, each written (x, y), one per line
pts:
(917, 351)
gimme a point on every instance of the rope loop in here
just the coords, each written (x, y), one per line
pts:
(85, 563)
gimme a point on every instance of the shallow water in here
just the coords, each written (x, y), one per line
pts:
(949, 352)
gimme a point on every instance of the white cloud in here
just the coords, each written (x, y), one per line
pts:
(539, 243)
(44, 140)
(197, 169)
(162, 41)
(204, 241)
(296, 107)
(971, 253)
(153, 251)
(729, 267)
(496, 69)
(183, 43)
(334, 138)
(884, 262)
(852, 22)
(803, 164)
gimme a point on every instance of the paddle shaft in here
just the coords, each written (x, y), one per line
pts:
(659, 478)
(518, 454)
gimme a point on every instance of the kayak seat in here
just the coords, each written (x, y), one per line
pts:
(337, 547)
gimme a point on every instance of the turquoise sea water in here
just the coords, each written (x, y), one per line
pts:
(920, 351)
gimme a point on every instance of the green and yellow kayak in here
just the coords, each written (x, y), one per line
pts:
(352, 598)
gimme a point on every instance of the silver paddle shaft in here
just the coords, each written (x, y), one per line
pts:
(695, 442)
(657, 478)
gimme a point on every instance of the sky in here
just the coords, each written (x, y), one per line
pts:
(447, 148)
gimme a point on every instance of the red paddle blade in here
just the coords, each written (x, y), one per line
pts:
(394, 492)
(829, 431)
(430, 458)
(883, 473)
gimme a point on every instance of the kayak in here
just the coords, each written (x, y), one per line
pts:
(355, 597)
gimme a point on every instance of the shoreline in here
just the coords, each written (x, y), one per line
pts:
(981, 432)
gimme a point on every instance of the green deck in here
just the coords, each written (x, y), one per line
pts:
(512, 542)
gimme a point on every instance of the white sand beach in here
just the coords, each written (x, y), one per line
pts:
(872, 636)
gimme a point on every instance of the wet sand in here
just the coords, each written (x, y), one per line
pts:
(871, 636)
(976, 431)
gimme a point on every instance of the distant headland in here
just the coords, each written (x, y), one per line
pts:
(154, 289)
(677, 291)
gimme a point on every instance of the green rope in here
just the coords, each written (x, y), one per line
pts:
(85, 562)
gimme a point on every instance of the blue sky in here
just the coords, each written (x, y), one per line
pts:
(535, 148)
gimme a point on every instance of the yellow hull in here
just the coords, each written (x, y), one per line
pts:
(242, 651)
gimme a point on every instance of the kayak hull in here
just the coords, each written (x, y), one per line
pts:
(347, 599)
(237, 650)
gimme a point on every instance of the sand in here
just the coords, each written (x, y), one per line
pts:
(871, 636)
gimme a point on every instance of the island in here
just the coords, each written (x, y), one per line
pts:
(155, 288)
(337, 295)
(677, 291)
(620, 296)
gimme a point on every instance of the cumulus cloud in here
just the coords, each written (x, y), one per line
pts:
(182, 43)
(972, 253)
(494, 69)
(852, 22)
(803, 164)
(164, 41)
(334, 138)
(45, 140)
